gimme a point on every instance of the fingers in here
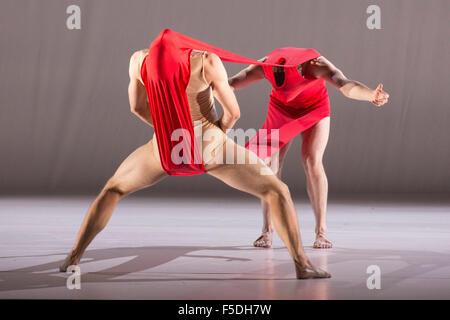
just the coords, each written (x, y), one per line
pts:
(383, 94)
(380, 102)
(380, 87)
(381, 97)
(317, 62)
(380, 91)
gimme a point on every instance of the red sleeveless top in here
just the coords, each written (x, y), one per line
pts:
(294, 106)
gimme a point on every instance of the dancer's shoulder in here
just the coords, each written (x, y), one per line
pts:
(138, 56)
(136, 60)
(212, 60)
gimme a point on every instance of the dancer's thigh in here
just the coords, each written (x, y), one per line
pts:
(251, 175)
(141, 169)
(314, 141)
(279, 158)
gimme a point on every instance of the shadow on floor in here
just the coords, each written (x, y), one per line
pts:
(47, 276)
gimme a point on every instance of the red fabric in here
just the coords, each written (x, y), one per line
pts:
(165, 73)
(294, 106)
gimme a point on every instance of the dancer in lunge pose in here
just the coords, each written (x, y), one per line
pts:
(180, 84)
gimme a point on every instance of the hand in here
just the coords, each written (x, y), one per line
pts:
(318, 62)
(380, 96)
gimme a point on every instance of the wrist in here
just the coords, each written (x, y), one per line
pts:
(373, 95)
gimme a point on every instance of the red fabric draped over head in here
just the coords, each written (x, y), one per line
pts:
(165, 73)
(295, 105)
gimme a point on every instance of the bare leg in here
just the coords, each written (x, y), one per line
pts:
(140, 169)
(265, 239)
(314, 142)
(247, 177)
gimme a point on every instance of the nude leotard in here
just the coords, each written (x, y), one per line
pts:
(221, 155)
(165, 72)
(203, 112)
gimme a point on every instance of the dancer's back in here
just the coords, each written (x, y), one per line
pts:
(199, 91)
(202, 109)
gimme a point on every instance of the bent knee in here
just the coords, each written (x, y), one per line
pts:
(276, 190)
(114, 186)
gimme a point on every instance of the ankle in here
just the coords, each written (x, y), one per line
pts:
(321, 230)
(74, 256)
(267, 230)
(302, 262)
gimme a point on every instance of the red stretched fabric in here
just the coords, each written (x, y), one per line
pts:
(294, 106)
(165, 73)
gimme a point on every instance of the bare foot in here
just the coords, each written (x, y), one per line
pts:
(322, 242)
(308, 271)
(70, 261)
(264, 240)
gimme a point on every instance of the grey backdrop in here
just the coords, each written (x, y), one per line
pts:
(65, 123)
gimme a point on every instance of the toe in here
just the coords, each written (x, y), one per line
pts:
(260, 243)
(263, 242)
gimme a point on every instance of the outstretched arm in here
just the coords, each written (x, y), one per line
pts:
(216, 75)
(247, 76)
(322, 68)
(136, 89)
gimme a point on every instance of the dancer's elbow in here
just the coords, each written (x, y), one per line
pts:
(134, 109)
(235, 115)
(232, 83)
(345, 87)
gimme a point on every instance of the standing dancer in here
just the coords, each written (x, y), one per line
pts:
(180, 84)
(299, 104)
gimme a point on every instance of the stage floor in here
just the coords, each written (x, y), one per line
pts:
(195, 249)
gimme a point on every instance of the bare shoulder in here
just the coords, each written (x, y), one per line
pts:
(138, 56)
(317, 67)
(319, 62)
(212, 60)
(195, 52)
(136, 60)
(214, 68)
